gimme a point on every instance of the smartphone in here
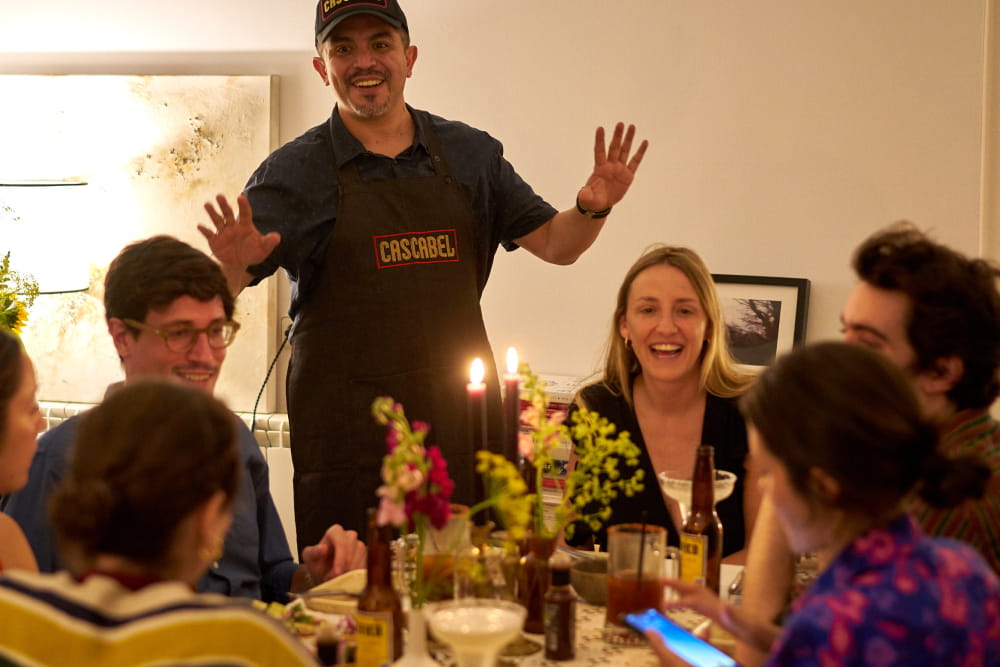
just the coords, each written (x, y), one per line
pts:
(696, 651)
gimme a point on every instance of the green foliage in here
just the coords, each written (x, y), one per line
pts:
(17, 294)
(506, 493)
(596, 480)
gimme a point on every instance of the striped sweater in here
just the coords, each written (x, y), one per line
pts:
(51, 619)
(976, 522)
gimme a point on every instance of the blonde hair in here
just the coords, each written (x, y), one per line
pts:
(719, 374)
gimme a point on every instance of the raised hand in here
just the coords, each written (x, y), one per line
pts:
(235, 242)
(613, 171)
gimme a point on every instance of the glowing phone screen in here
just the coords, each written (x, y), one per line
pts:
(696, 651)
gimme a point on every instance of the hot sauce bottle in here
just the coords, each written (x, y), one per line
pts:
(560, 611)
(379, 633)
(701, 536)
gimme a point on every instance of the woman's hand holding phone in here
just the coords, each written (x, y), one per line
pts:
(675, 646)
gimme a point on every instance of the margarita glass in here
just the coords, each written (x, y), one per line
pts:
(475, 628)
(679, 488)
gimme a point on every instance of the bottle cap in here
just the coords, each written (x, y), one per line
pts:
(559, 561)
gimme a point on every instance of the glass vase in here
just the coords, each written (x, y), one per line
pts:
(415, 653)
(437, 567)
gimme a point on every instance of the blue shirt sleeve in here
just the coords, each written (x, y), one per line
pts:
(273, 555)
(29, 506)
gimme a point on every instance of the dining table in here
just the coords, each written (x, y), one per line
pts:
(591, 647)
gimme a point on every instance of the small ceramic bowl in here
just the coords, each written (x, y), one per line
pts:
(589, 578)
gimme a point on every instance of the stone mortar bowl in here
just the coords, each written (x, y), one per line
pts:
(589, 578)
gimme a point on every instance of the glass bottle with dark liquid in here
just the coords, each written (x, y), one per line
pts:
(701, 537)
(560, 611)
(379, 633)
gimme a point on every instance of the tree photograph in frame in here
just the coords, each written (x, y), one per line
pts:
(765, 316)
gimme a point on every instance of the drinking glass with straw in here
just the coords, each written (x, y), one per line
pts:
(636, 553)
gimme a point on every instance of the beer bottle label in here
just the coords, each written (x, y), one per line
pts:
(374, 638)
(694, 558)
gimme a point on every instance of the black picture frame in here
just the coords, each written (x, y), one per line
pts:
(765, 315)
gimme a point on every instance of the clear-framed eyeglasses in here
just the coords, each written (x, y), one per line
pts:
(182, 337)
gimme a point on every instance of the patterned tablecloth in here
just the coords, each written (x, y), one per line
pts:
(591, 648)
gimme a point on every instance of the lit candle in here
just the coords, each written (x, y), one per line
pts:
(476, 390)
(477, 404)
(511, 407)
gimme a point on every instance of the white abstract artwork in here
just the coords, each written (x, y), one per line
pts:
(151, 150)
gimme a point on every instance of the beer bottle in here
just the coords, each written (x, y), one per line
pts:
(701, 536)
(379, 632)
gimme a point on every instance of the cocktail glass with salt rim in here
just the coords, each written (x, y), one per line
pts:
(475, 628)
(679, 488)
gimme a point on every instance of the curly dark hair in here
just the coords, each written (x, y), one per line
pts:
(954, 305)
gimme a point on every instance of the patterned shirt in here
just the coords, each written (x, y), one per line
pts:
(896, 597)
(51, 619)
(974, 521)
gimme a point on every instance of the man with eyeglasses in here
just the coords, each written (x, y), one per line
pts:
(169, 312)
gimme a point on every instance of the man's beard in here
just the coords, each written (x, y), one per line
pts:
(368, 109)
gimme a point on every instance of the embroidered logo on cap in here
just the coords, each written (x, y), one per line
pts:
(433, 247)
(332, 6)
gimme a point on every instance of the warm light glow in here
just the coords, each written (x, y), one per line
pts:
(477, 372)
(511, 361)
(43, 231)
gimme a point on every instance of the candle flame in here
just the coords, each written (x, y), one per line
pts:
(511, 361)
(477, 371)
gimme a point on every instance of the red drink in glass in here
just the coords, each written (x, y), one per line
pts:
(627, 593)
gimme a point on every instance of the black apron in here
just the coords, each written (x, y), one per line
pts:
(395, 311)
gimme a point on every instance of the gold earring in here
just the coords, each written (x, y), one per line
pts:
(211, 553)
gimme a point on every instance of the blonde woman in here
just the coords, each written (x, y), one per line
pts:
(670, 381)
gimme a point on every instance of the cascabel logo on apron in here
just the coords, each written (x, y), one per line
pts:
(440, 245)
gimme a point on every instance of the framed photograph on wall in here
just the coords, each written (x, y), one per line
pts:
(765, 316)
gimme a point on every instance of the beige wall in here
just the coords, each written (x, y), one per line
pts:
(782, 132)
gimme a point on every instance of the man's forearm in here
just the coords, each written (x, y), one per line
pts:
(564, 238)
(237, 278)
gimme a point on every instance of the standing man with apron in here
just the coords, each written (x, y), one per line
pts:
(386, 220)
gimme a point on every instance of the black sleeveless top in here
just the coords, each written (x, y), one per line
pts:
(723, 428)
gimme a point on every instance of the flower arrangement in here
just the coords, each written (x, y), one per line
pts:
(17, 293)
(416, 491)
(415, 495)
(595, 481)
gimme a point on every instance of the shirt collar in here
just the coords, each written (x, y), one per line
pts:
(346, 147)
(965, 429)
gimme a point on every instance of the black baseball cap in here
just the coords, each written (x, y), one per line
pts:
(329, 13)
